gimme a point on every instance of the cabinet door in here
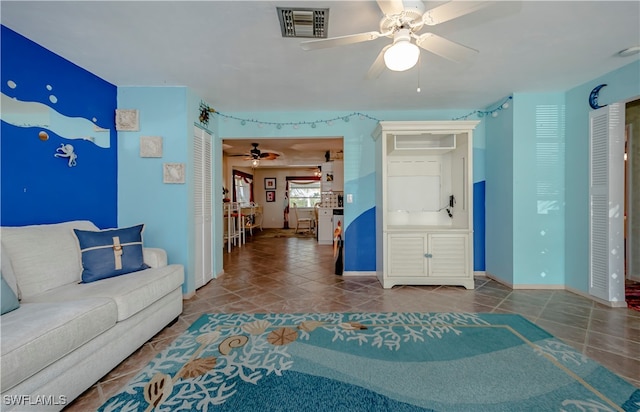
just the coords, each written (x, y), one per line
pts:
(448, 255)
(406, 255)
(325, 226)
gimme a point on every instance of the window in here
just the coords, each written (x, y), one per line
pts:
(304, 193)
(243, 187)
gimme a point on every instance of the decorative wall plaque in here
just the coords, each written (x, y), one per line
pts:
(173, 172)
(127, 120)
(150, 146)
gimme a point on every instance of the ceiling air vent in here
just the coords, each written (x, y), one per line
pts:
(303, 22)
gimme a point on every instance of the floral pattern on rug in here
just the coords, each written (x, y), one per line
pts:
(220, 354)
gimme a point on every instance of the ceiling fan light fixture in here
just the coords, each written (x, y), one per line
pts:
(254, 163)
(403, 55)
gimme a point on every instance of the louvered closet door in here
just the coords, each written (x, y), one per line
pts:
(202, 207)
(606, 203)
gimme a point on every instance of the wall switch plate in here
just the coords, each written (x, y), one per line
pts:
(349, 198)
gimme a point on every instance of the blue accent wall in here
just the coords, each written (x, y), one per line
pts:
(478, 226)
(360, 243)
(37, 187)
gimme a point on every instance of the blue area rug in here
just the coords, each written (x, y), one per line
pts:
(372, 362)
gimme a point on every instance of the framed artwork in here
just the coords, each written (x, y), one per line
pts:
(271, 195)
(173, 172)
(150, 146)
(127, 120)
(269, 183)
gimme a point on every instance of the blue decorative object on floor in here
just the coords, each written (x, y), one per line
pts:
(371, 361)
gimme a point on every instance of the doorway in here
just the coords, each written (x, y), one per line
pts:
(279, 160)
(632, 191)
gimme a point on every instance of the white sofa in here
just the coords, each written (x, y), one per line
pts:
(66, 335)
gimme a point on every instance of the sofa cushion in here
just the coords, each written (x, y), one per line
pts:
(8, 298)
(131, 293)
(44, 257)
(38, 334)
(110, 253)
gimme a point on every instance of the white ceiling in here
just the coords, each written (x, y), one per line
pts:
(232, 54)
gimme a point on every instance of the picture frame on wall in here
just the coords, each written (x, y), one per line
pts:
(269, 183)
(271, 195)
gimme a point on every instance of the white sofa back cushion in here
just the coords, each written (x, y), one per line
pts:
(43, 257)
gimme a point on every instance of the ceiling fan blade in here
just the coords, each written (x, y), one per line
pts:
(452, 10)
(445, 48)
(391, 7)
(269, 156)
(378, 65)
(339, 41)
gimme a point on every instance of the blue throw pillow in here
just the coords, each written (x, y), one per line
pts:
(9, 299)
(110, 253)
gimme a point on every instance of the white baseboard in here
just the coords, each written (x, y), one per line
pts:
(354, 273)
(497, 279)
(559, 287)
(601, 301)
(525, 286)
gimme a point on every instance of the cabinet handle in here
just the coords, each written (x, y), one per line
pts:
(428, 255)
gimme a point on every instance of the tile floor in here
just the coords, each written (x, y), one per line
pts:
(281, 274)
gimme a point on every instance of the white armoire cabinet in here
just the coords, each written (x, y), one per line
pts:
(424, 203)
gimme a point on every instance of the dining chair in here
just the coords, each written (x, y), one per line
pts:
(305, 223)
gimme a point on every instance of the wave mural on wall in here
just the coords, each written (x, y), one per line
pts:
(48, 104)
(38, 115)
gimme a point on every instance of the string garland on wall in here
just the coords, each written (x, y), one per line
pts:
(206, 110)
(492, 112)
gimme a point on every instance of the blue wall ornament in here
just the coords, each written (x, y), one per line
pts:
(593, 97)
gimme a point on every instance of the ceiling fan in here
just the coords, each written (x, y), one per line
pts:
(402, 21)
(255, 155)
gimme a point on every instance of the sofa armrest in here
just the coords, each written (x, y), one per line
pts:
(154, 257)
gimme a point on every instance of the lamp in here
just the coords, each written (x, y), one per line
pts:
(403, 55)
(255, 162)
